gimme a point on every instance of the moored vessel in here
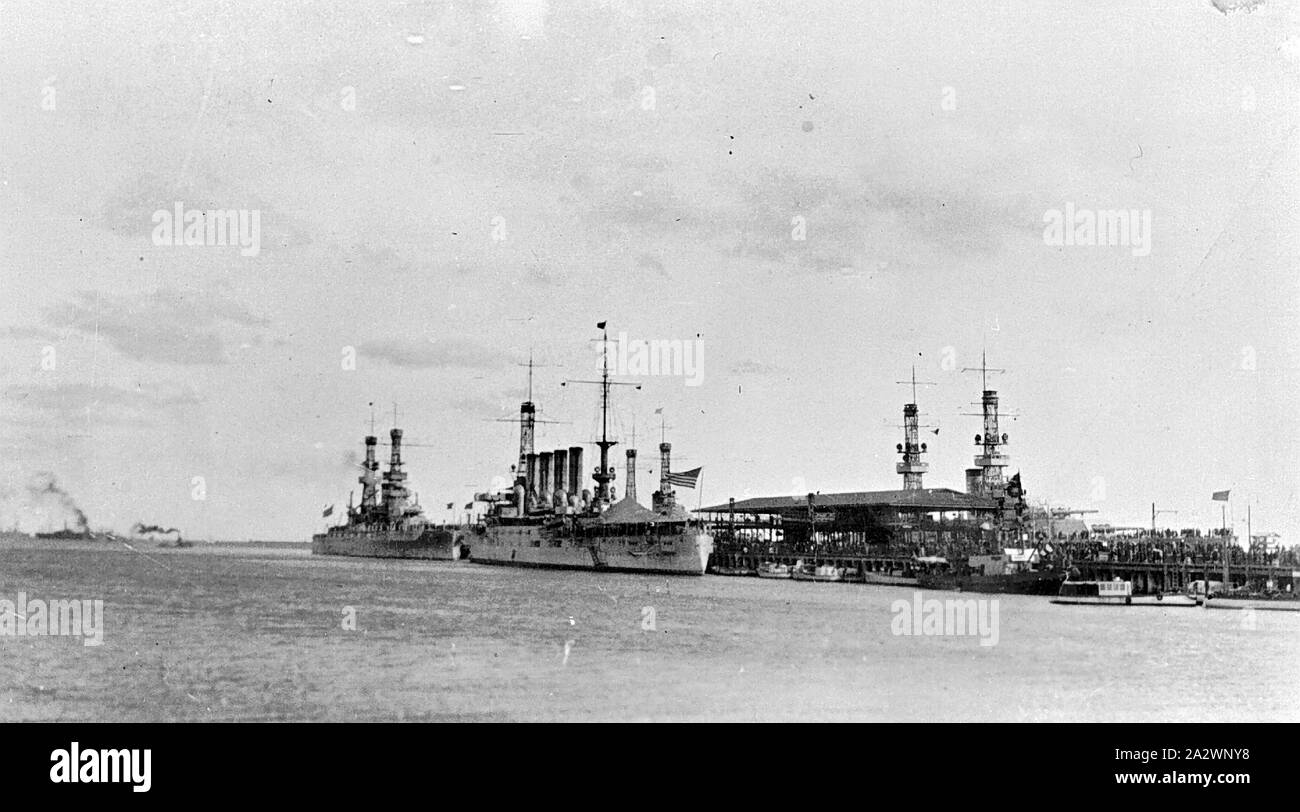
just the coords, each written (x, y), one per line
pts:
(731, 571)
(893, 578)
(390, 524)
(1096, 593)
(1015, 571)
(1268, 601)
(548, 520)
(825, 573)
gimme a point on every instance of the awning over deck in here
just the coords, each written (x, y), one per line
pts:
(629, 511)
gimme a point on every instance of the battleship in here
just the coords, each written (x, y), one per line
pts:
(547, 519)
(388, 524)
(891, 537)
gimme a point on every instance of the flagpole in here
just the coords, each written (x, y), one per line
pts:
(1227, 581)
(1250, 545)
(1223, 512)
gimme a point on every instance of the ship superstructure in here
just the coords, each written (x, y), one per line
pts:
(549, 520)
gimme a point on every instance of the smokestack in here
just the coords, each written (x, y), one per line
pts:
(560, 477)
(530, 468)
(575, 469)
(544, 489)
(631, 474)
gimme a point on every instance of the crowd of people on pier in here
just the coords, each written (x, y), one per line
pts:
(1188, 547)
(1164, 548)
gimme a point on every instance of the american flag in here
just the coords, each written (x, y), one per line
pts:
(686, 478)
(1220, 496)
(329, 510)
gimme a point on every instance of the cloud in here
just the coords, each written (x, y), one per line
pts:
(164, 326)
(74, 400)
(481, 405)
(128, 211)
(44, 418)
(431, 354)
(29, 333)
(750, 367)
(651, 264)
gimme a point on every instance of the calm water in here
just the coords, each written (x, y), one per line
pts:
(231, 634)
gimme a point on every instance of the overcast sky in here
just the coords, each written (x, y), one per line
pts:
(443, 187)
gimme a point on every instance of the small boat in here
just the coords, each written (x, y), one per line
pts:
(1036, 582)
(853, 575)
(895, 578)
(826, 572)
(1096, 593)
(774, 571)
(1264, 602)
(1197, 590)
(1161, 599)
(721, 570)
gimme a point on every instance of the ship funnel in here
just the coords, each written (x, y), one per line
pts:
(560, 475)
(575, 469)
(544, 489)
(631, 474)
(530, 468)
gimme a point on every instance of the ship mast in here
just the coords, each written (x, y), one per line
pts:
(604, 475)
(911, 448)
(528, 422)
(991, 461)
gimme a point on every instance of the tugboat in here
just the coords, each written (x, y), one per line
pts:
(391, 525)
(1016, 571)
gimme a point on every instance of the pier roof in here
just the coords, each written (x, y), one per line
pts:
(923, 499)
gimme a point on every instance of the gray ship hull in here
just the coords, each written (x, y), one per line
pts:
(439, 544)
(516, 546)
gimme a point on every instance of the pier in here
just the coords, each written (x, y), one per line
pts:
(892, 532)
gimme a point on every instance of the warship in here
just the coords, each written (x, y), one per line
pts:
(389, 522)
(547, 519)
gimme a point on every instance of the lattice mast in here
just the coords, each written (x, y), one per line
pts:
(912, 468)
(990, 461)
